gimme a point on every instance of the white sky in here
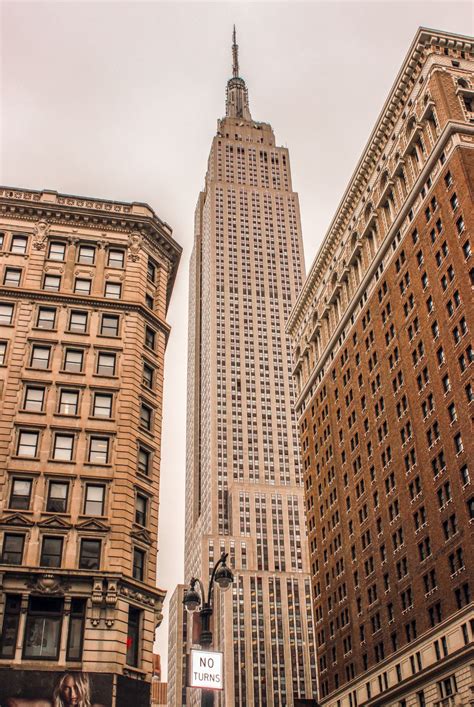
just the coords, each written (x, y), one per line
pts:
(119, 100)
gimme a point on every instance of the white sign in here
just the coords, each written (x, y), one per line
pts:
(206, 670)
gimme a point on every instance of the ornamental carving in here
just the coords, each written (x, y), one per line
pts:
(135, 245)
(40, 236)
(47, 584)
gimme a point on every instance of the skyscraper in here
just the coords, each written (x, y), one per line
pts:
(85, 287)
(382, 335)
(243, 487)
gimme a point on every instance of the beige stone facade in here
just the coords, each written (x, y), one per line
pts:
(244, 483)
(382, 345)
(84, 290)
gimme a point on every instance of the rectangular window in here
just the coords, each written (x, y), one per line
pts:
(12, 552)
(43, 628)
(94, 500)
(106, 364)
(99, 450)
(78, 322)
(141, 504)
(11, 621)
(34, 399)
(113, 290)
(75, 636)
(3, 352)
(102, 405)
(68, 402)
(51, 552)
(12, 277)
(133, 636)
(57, 497)
(18, 245)
(150, 338)
(27, 444)
(148, 373)
(151, 270)
(73, 360)
(109, 325)
(144, 460)
(6, 313)
(146, 415)
(82, 286)
(115, 258)
(89, 555)
(57, 251)
(138, 564)
(40, 357)
(86, 254)
(46, 318)
(63, 447)
(20, 495)
(52, 283)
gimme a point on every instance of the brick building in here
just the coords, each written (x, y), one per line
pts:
(383, 362)
(84, 290)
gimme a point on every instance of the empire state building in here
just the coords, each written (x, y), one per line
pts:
(244, 491)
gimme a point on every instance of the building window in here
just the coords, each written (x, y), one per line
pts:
(57, 251)
(113, 290)
(151, 270)
(40, 357)
(99, 450)
(133, 636)
(11, 621)
(94, 500)
(68, 402)
(73, 360)
(27, 444)
(6, 313)
(57, 497)
(78, 322)
(19, 244)
(75, 636)
(3, 352)
(63, 447)
(89, 555)
(86, 254)
(148, 373)
(150, 338)
(138, 564)
(51, 552)
(146, 415)
(12, 552)
(447, 687)
(144, 460)
(12, 277)
(106, 364)
(149, 301)
(102, 405)
(82, 286)
(34, 399)
(109, 325)
(116, 258)
(46, 318)
(43, 628)
(52, 283)
(141, 504)
(20, 495)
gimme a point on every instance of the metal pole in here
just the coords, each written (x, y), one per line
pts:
(205, 640)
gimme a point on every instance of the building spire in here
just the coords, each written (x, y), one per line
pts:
(237, 99)
(235, 55)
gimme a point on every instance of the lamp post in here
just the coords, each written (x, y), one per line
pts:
(196, 600)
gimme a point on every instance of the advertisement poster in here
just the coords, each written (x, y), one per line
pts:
(21, 688)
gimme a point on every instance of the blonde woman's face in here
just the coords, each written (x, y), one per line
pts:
(69, 692)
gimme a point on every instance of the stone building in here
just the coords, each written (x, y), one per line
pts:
(382, 343)
(244, 482)
(84, 290)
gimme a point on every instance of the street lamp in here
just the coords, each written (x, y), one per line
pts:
(196, 600)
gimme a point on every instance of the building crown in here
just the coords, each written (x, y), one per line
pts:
(237, 97)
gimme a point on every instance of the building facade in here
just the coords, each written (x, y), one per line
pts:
(177, 641)
(85, 287)
(244, 485)
(382, 344)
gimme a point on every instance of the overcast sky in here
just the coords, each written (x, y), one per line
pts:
(119, 100)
